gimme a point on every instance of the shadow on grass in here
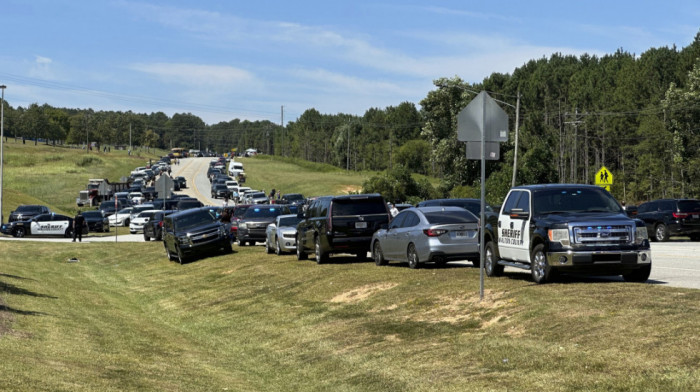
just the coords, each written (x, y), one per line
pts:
(15, 276)
(12, 289)
(8, 309)
(191, 258)
(574, 278)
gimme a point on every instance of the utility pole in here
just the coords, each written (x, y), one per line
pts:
(574, 151)
(517, 125)
(282, 125)
(130, 146)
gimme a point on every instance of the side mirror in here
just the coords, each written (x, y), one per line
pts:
(518, 213)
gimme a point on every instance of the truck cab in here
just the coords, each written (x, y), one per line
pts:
(567, 228)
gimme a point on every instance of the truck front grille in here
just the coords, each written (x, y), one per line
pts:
(602, 234)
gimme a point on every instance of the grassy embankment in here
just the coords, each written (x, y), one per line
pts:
(124, 318)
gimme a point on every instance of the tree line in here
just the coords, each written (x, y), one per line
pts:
(638, 115)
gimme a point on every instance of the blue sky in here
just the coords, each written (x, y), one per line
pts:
(222, 60)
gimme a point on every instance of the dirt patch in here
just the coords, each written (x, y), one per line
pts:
(348, 189)
(455, 310)
(362, 293)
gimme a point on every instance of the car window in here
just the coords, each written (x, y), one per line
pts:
(689, 206)
(668, 205)
(194, 219)
(511, 202)
(398, 220)
(524, 202)
(446, 217)
(289, 221)
(345, 207)
(411, 219)
(558, 200)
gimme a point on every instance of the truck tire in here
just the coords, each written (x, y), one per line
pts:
(491, 265)
(640, 275)
(321, 256)
(660, 233)
(301, 254)
(541, 271)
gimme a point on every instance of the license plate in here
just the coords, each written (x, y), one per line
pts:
(460, 234)
(360, 225)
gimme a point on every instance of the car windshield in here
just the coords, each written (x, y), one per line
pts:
(293, 197)
(257, 194)
(447, 217)
(125, 211)
(92, 214)
(146, 214)
(550, 201)
(194, 219)
(256, 212)
(289, 221)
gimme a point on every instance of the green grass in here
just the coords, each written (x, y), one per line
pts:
(292, 176)
(53, 175)
(124, 318)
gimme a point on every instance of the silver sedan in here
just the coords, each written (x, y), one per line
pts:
(428, 234)
(280, 236)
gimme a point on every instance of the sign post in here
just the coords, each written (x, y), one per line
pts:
(482, 125)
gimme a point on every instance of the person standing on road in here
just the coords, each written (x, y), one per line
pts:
(78, 223)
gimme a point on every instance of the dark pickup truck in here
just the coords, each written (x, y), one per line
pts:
(566, 228)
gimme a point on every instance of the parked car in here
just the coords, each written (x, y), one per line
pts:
(154, 227)
(428, 234)
(44, 224)
(182, 181)
(257, 198)
(27, 211)
(253, 223)
(109, 207)
(193, 231)
(121, 217)
(220, 191)
(340, 224)
(139, 222)
(291, 198)
(671, 217)
(280, 236)
(96, 221)
(187, 203)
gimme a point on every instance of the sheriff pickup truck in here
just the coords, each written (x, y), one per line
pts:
(566, 228)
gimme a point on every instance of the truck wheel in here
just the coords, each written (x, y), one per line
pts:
(639, 275)
(413, 261)
(19, 232)
(240, 243)
(180, 256)
(301, 255)
(321, 256)
(661, 234)
(146, 238)
(378, 255)
(541, 271)
(491, 265)
(167, 252)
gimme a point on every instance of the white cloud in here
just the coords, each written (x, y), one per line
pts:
(41, 68)
(201, 75)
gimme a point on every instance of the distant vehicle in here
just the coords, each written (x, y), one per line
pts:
(154, 227)
(121, 217)
(178, 152)
(137, 223)
(340, 224)
(252, 225)
(96, 221)
(428, 234)
(27, 211)
(42, 225)
(182, 181)
(220, 191)
(258, 198)
(291, 198)
(193, 231)
(109, 207)
(671, 217)
(280, 236)
(234, 168)
(186, 204)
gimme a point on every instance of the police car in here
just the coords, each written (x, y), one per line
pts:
(44, 224)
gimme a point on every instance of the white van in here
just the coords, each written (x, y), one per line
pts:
(234, 167)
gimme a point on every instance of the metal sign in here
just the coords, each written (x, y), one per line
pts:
(482, 115)
(164, 186)
(492, 153)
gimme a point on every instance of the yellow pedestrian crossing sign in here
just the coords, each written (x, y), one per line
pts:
(604, 178)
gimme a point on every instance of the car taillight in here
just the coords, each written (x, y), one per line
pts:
(160, 224)
(680, 215)
(434, 232)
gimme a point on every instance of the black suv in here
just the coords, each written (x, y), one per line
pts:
(27, 212)
(154, 227)
(340, 224)
(253, 223)
(193, 231)
(671, 217)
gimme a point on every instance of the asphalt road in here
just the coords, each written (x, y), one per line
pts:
(675, 263)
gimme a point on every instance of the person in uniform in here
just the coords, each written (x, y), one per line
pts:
(78, 223)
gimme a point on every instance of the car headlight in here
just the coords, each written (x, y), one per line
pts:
(242, 225)
(640, 234)
(185, 240)
(559, 235)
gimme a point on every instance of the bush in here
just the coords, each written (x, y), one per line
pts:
(89, 161)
